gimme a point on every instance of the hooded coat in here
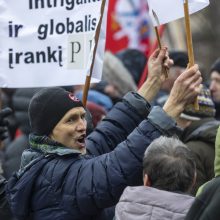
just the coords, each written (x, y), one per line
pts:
(200, 139)
(59, 183)
(206, 204)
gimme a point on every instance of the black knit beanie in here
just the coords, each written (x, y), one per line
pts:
(48, 106)
(180, 58)
(216, 66)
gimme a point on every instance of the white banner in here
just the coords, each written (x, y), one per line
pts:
(164, 11)
(49, 42)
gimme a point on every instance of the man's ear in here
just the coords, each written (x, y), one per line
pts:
(147, 180)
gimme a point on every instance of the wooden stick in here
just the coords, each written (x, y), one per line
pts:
(165, 70)
(152, 49)
(158, 37)
(188, 34)
(189, 43)
(86, 89)
(88, 77)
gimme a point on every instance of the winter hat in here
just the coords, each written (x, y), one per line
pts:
(206, 107)
(134, 61)
(216, 66)
(48, 106)
(180, 58)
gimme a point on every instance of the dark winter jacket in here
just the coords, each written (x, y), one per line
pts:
(61, 184)
(200, 138)
(206, 205)
(5, 213)
(148, 203)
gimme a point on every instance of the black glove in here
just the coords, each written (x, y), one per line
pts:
(4, 123)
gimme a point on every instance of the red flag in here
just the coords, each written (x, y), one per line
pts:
(128, 26)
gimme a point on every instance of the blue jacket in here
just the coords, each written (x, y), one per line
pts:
(60, 184)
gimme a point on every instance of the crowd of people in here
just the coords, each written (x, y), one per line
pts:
(130, 153)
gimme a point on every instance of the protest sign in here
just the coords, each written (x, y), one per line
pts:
(48, 43)
(162, 12)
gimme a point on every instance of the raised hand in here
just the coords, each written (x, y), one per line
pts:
(184, 91)
(157, 62)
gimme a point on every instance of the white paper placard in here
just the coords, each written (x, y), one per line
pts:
(170, 10)
(48, 43)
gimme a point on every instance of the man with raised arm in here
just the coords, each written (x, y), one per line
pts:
(65, 176)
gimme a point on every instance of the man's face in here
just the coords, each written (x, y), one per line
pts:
(215, 86)
(71, 129)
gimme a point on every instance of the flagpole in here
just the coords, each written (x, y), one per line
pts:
(165, 70)
(189, 43)
(158, 37)
(160, 47)
(88, 77)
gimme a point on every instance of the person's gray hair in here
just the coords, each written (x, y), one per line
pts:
(169, 165)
